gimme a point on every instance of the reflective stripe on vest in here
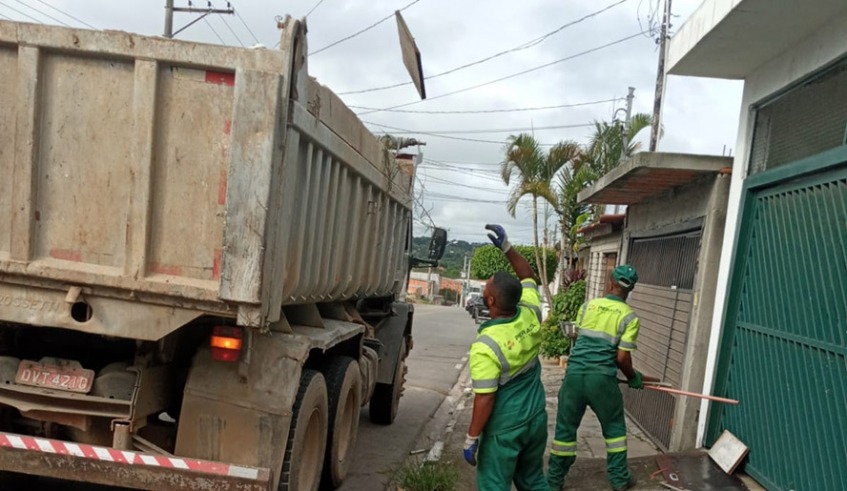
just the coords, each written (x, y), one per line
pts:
(505, 367)
(530, 284)
(534, 308)
(616, 340)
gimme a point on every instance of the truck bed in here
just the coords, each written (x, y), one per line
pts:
(161, 180)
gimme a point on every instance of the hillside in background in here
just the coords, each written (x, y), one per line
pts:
(454, 255)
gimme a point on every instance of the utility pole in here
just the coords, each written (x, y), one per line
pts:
(629, 97)
(660, 78)
(169, 18)
(170, 9)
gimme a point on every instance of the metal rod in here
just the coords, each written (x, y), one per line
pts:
(692, 394)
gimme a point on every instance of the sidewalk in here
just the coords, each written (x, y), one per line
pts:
(589, 471)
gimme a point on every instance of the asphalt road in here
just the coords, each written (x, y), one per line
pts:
(442, 336)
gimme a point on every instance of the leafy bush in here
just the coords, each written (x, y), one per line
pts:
(572, 300)
(488, 260)
(565, 308)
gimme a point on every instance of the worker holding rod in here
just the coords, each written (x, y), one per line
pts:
(608, 330)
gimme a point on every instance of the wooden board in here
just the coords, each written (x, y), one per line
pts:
(728, 452)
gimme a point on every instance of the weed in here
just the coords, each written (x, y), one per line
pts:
(420, 475)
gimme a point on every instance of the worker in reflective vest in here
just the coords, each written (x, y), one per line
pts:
(608, 329)
(509, 422)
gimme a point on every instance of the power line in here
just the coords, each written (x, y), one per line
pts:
(314, 8)
(517, 74)
(230, 27)
(246, 26)
(363, 30)
(521, 47)
(487, 111)
(86, 24)
(13, 9)
(3, 16)
(44, 14)
(214, 31)
(486, 131)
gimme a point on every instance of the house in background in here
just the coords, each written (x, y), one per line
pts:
(600, 255)
(779, 332)
(672, 234)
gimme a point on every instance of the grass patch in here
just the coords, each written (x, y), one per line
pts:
(420, 475)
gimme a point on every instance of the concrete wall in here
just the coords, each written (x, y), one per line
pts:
(701, 203)
(827, 45)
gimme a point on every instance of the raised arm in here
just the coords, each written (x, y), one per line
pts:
(519, 264)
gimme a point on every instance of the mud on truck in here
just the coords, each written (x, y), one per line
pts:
(203, 260)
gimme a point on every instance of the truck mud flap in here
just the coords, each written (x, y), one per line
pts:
(124, 468)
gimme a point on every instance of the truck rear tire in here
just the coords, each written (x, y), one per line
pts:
(385, 402)
(344, 387)
(304, 454)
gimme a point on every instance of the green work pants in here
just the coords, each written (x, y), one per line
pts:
(515, 456)
(602, 394)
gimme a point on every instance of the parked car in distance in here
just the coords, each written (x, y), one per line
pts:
(478, 310)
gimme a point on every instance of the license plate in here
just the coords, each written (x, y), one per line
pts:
(61, 375)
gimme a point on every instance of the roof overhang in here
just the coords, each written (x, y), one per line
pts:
(649, 174)
(732, 38)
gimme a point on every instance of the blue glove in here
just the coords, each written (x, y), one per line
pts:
(471, 446)
(498, 238)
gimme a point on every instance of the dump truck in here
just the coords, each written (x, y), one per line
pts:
(203, 263)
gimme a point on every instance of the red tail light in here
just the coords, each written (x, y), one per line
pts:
(226, 343)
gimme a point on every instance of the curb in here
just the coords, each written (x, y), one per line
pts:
(443, 420)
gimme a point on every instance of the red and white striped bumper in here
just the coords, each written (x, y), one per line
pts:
(110, 466)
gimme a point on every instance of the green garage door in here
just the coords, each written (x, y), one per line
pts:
(784, 346)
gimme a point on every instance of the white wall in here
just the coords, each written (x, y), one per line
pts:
(826, 46)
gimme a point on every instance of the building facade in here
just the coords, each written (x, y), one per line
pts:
(778, 341)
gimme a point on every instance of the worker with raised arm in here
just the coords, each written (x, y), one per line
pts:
(508, 431)
(608, 330)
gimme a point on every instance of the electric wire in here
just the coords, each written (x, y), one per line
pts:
(514, 75)
(214, 31)
(86, 24)
(487, 111)
(233, 32)
(387, 17)
(13, 9)
(314, 8)
(485, 131)
(43, 13)
(246, 26)
(521, 47)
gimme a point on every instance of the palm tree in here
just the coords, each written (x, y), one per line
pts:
(604, 151)
(532, 172)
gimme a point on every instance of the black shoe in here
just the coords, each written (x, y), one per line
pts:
(630, 484)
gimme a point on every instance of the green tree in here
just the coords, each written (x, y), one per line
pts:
(532, 172)
(488, 260)
(605, 150)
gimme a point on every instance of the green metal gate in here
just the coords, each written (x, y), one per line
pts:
(783, 351)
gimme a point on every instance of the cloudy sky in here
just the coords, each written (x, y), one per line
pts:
(459, 182)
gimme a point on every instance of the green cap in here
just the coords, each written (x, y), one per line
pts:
(625, 276)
